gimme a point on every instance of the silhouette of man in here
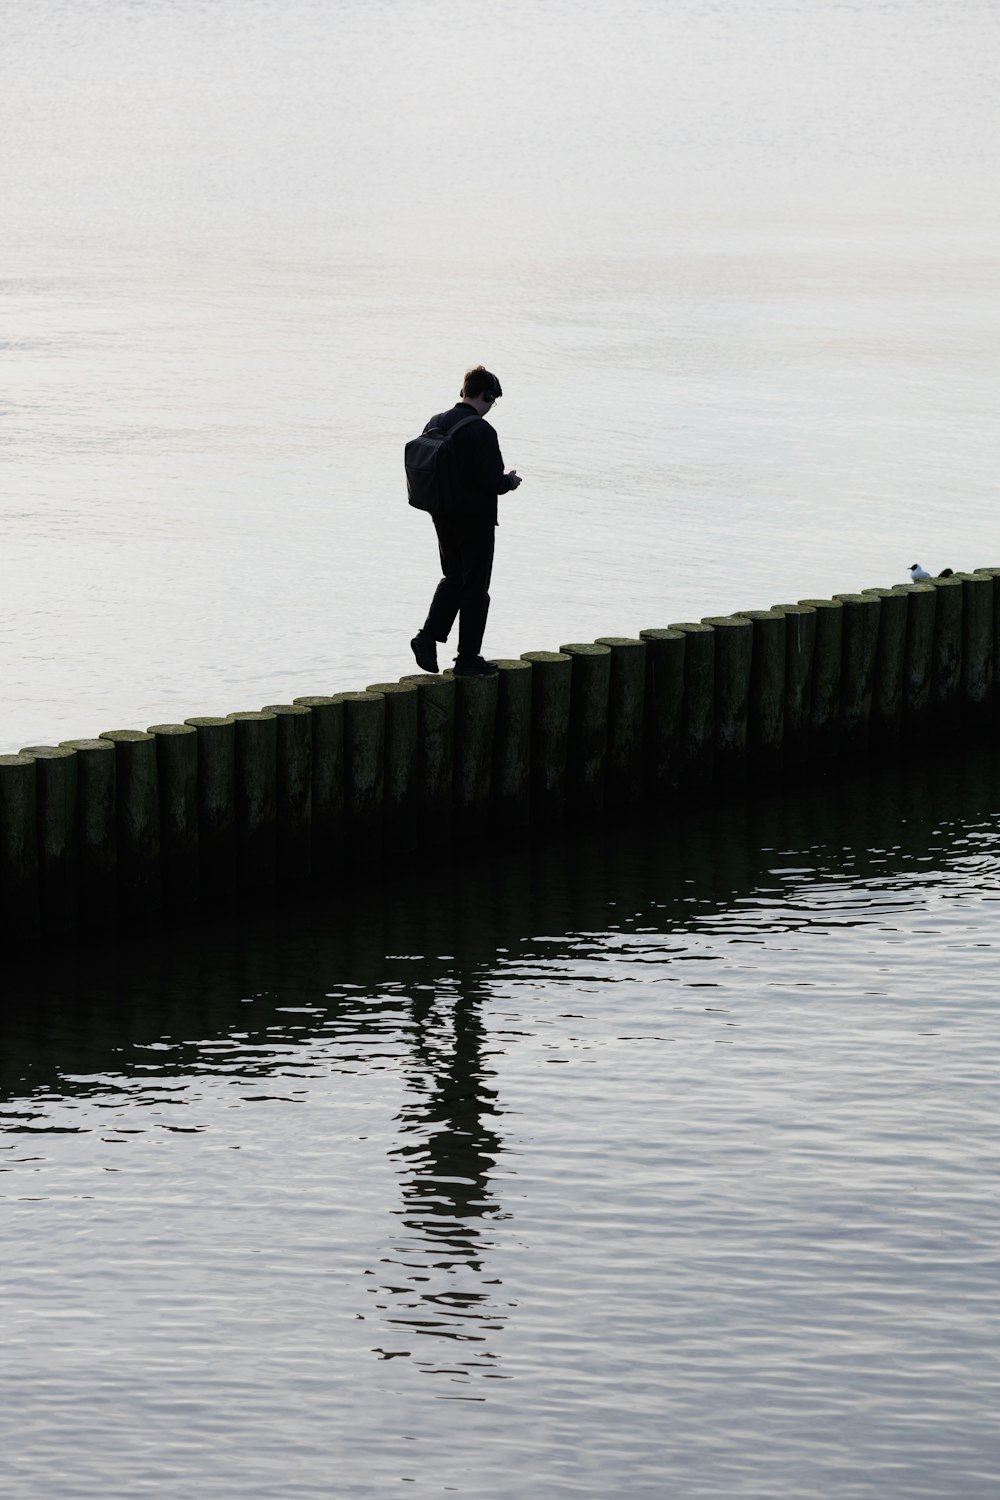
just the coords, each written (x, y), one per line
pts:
(466, 534)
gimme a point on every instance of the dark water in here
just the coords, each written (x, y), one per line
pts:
(662, 1161)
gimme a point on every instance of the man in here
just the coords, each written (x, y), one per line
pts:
(465, 535)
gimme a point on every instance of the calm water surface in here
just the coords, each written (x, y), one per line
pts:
(660, 1165)
(735, 263)
(663, 1163)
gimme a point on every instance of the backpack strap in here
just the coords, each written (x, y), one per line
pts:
(458, 425)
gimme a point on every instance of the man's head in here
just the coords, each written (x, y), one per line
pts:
(480, 389)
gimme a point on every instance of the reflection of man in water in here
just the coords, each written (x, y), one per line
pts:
(447, 1150)
(451, 1116)
(465, 536)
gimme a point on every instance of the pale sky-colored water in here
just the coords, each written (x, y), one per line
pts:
(735, 265)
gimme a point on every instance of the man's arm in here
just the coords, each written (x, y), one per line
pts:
(489, 463)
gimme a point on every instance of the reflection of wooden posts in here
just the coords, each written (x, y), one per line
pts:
(946, 674)
(590, 686)
(293, 799)
(256, 799)
(824, 711)
(733, 649)
(626, 704)
(664, 709)
(800, 661)
(551, 680)
(918, 658)
(97, 844)
(766, 717)
(511, 782)
(697, 758)
(177, 774)
(19, 908)
(977, 650)
(216, 805)
(364, 777)
(399, 795)
(326, 718)
(55, 777)
(890, 667)
(861, 617)
(476, 701)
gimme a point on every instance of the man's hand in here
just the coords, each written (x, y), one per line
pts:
(513, 477)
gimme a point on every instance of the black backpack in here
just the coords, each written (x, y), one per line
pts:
(431, 476)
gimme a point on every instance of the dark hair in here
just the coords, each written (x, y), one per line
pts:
(479, 382)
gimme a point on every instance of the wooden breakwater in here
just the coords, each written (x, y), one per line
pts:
(101, 834)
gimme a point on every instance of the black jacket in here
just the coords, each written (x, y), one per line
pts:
(481, 474)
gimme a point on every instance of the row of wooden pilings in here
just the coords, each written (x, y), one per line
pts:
(100, 833)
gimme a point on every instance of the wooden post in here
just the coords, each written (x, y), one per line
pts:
(293, 799)
(946, 674)
(364, 756)
(664, 709)
(824, 711)
(766, 719)
(994, 573)
(697, 761)
(977, 650)
(435, 759)
(511, 783)
(551, 686)
(216, 806)
(918, 657)
(626, 705)
(177, 774)
(97, 843)
(476, 701)
(326, 718)
(399, 797)
(138, 814)
(733, 652)
(590, 687)
(890, 669)
(55, 776)
(256, 800)
(800, 664)
(20, 919)
(861, 623)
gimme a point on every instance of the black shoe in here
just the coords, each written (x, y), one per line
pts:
(474, 666)
(425, 650)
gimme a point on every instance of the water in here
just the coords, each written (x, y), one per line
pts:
(660, 1162)
(736, 266)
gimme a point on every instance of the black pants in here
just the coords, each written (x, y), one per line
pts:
(467, 562)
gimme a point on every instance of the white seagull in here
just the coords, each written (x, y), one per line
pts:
(918, 574)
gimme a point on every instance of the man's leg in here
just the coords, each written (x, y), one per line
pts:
(448, 594)
(474, 602)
